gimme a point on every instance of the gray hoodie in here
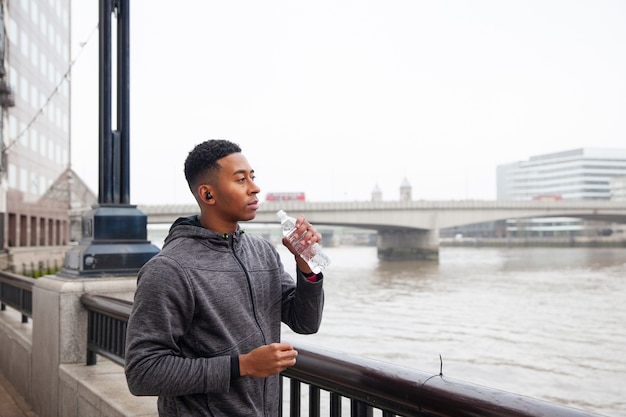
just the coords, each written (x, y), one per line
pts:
(204, 299)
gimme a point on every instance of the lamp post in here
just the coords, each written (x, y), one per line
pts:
(114, 233)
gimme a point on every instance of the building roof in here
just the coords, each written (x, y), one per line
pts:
(70, 191)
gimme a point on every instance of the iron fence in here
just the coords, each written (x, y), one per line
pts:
(16, 291)
(369, 387)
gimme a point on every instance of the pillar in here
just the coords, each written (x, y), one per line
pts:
(60, 331)
(408, 244)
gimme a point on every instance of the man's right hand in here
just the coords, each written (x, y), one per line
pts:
(267, 360)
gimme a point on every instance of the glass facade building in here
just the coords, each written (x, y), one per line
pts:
(36, 127)
(578, 174)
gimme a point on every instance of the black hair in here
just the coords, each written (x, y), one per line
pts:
(202, 160)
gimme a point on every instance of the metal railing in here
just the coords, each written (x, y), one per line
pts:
(16, 291)
(107, 319)
(368, 385)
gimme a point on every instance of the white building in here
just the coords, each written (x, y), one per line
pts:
(580, 174)
(36, 124)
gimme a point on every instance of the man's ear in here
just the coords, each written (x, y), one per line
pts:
(204, 193)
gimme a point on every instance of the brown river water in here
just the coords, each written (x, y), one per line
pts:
(544, 323)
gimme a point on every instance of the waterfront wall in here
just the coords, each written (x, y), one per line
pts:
(538, 242)
(45, 359)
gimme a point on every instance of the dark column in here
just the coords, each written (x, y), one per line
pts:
(114, 233)
(408, 244)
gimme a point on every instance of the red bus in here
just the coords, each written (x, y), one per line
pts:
(285, 196)
(548, 197)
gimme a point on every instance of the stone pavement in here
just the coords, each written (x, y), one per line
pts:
(11, 403)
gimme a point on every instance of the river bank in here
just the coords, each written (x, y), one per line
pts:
(537, 242)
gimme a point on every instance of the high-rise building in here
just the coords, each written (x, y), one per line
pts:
(578, 174)
(35, 164)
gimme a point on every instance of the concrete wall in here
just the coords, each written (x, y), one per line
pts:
(45, 359)
(100, 391)
(16, 351)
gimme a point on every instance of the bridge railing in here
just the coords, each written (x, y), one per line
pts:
(16, 291)
(368, 386)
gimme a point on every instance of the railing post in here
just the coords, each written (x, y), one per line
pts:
(335, 405)
(359, 409)
(314, 401)
(294, 398)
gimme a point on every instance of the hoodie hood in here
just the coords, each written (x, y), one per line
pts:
(190, 227)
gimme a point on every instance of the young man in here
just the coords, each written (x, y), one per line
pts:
(204, 332)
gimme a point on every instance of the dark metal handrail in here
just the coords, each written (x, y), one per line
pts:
(368, 384)
(16, 291)
(403, 391)
(107, 319)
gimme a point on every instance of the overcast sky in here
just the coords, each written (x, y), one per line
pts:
(336, 97)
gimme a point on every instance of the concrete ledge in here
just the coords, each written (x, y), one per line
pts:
(16, 347)
(100, 390)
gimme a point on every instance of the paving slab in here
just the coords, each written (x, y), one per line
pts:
(11, 403)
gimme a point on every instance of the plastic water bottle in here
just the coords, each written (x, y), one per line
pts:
(312, 254)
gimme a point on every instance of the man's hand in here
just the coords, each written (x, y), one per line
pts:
(267, 360)
(309, 236)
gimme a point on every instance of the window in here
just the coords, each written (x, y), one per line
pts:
(34, 97)
(34, 139)
(43, 24)
(13, 31)
(34, 12)
(44, 65)
(12, 176)
(23, 180)
(43, 184)
(23, 88)
(34, 54)
(43, 144)
(33, 183)
(12, 127)
(24, 43)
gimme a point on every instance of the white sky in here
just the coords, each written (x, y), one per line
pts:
(334, 97)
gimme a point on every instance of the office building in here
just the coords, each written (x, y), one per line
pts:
(580, 174)
(36, 179)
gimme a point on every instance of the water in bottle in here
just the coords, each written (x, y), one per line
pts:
(312, 254)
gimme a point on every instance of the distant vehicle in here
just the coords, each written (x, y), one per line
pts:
(285, 196)
(548, 197)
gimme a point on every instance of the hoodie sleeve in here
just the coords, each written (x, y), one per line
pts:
(162, 311)
(303, 305)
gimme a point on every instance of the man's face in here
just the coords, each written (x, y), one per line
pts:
(235, 193)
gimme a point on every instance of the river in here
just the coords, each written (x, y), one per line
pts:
(547, 323)
(544, 323)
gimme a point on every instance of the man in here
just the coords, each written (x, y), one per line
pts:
(204, 332)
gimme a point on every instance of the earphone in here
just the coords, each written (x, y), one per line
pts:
(208, 196)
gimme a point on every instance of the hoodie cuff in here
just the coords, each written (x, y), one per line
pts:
(312, 276)
(234, 368)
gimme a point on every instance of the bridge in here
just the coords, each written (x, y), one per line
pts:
(410, 229)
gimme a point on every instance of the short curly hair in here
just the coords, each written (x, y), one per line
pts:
(201, 162)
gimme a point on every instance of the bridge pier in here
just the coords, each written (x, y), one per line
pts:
(408, 244)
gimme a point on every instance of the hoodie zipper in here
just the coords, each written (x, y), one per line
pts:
(231, 241)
